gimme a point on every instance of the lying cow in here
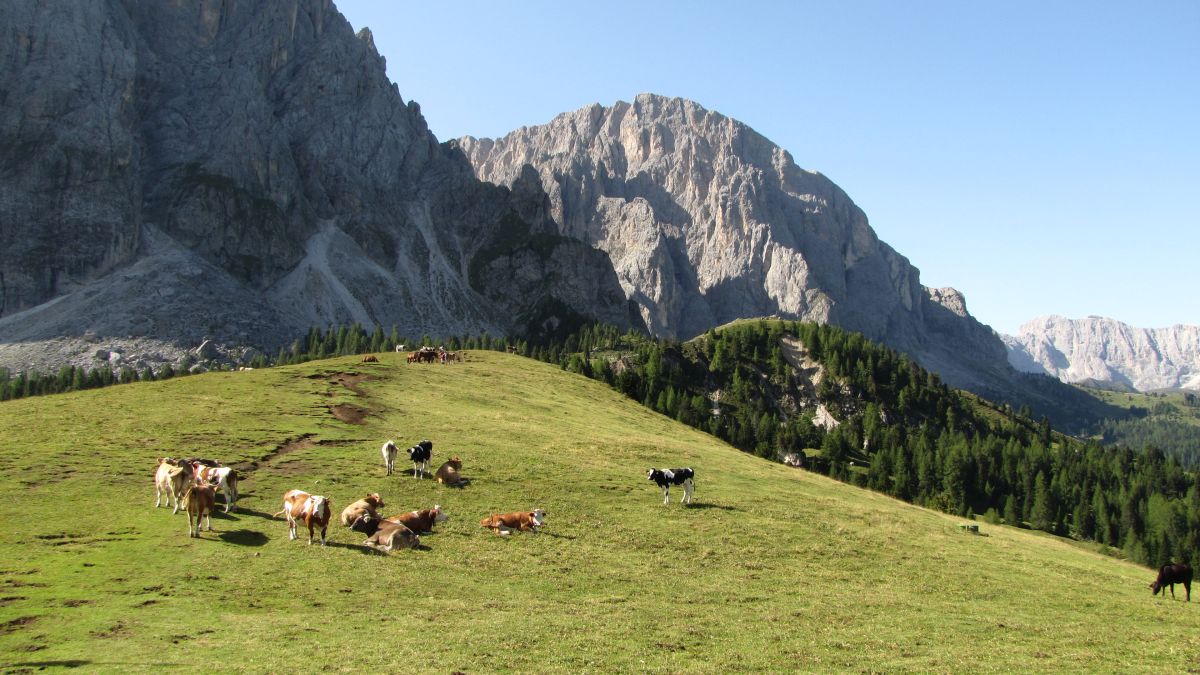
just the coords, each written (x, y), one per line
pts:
(524, 521)
(365, 509)
(1169, 575)
(198, 501)
(171, 478)
(447, 473)
(223, 477)
(420, 455)
(391, 536)
(665, 478)
(312, 509)
(421, 521)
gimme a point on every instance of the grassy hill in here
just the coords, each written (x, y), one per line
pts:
(772, 568)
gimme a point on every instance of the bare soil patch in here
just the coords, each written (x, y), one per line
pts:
(16, 624)
(288, 446)
(350, 414)
(352, 380)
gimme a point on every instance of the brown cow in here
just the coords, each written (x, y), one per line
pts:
(198, 501)
(505, 523)
(421, 521)
(367, 506)
(1169, 575)
(313, 509)
(171, 478)
(370, 358)
(392, 536)
(447, 473)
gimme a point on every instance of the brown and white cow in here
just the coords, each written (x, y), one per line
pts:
(198, 501)
(366, 507)
(171, 478)
(505, 523)
(391, 536)
(312, 509)
(447, 473)
(225, 478)
(421, 521)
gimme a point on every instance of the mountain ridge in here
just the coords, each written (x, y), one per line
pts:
(1105, 350)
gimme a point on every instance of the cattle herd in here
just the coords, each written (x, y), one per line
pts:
(192, 484)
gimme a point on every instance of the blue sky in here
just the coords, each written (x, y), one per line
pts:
(1041, 157)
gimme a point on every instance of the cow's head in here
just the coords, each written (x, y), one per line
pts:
(439, 516)
(374, 500)
(539, 517)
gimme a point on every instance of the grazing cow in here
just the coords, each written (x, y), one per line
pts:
(367, 506)
(389, 456)
(525, 521)
(370, 358)
(198, 502)
(447, 473)
(1169, 575)
(172, 479)
(392, 536)
(313, 509)
(224, 477)
(399, 348)
(420, 454)
(421, 521)
(665, 478)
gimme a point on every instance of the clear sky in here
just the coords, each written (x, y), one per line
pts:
(1041, 157)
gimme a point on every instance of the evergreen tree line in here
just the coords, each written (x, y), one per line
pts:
(902, 432)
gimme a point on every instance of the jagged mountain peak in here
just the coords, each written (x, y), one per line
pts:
(1103, 349)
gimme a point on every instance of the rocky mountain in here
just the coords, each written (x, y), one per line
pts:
(244, 171)
(707, 221)
(1104, 350)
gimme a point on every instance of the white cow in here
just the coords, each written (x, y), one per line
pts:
(389, 456)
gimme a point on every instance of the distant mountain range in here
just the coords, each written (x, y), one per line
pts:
(1106, 352)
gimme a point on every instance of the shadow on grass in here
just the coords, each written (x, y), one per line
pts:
(544, 533)
(241, 510)
(705, 505)
(244, 538)
(365, 550)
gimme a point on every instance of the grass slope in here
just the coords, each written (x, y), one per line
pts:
(771, 568)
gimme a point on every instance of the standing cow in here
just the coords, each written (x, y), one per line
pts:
(314, 510)
(1169, 575)
(665, 478)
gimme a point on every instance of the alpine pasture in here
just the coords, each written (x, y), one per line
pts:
(771, 568)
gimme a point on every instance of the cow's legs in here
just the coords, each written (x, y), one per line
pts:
(687, 492)
(323, 529)
(208, 519)
(666, 495)
(291, 528)
(158, 496)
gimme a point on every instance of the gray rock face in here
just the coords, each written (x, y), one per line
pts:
(706, 221)
(1106, 350)
(249, 166)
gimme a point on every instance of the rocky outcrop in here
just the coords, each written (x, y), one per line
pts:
(707, 221)
(1104, 350)
(244, 171)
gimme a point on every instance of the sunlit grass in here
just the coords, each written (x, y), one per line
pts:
(771, 569)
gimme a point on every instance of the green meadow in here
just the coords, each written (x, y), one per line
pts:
(771, 568)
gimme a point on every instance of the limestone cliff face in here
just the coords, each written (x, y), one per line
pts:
(707, 221)
(265, 142)
(1106, 350)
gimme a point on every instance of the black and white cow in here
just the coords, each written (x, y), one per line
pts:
(420, 454)
(665, 478)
